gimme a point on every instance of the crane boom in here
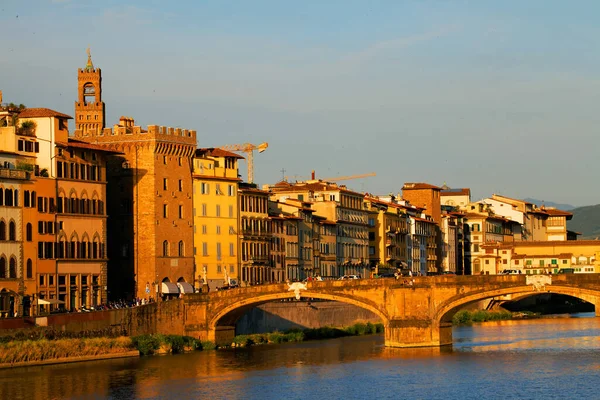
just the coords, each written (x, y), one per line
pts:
(247, 148)
(348, 177)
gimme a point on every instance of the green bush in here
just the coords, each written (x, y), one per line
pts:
(176, 343)
(207, 345)
(146, 344)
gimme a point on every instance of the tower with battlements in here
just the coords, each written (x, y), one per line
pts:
(149, 199)
(89, 107)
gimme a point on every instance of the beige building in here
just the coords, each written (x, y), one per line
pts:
(346, 209)
(388, 235)
(254, 235)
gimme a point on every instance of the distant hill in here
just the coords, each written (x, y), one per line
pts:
(586, 220)
(564, 207)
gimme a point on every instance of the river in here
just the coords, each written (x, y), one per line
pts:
(556, 358)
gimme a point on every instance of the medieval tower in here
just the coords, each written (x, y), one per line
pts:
(89, 107)
(149, 197)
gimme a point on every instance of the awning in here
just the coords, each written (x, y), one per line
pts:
(42, 302)
(185, 287)
(169, 288)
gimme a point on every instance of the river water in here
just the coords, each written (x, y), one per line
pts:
(557, 358)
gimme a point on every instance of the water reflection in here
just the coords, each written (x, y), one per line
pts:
(508, 357)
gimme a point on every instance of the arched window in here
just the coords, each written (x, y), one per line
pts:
(2, 230)
(12, 231)
(181, 248)
(165, 248)
(29, 232)
(12, 270)
(29, 269)
(16, 196)
(8, 197)
(2, 267)
(1, 197)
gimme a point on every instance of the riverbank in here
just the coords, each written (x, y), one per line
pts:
(466, 317)
(42, 351)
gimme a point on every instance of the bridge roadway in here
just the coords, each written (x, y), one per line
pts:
(414, 315)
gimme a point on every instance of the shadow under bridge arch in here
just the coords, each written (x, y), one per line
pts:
(230, 314)
(446, 310)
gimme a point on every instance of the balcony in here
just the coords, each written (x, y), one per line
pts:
(8, 173)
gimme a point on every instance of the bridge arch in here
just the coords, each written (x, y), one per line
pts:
(446, 310)
(228, 316)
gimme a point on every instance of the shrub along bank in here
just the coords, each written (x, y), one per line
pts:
(299, 335)
(466, 317)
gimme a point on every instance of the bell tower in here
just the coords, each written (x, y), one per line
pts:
(89, 107)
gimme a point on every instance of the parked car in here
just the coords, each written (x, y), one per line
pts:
(511, 272)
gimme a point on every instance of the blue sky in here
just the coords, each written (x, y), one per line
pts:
(498, 96)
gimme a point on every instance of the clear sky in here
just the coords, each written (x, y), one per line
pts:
(498, 96)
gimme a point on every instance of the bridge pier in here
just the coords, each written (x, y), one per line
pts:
(223, 335)
(417, 333)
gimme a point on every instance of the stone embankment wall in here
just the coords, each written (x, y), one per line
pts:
(281, 316)
(165, 317)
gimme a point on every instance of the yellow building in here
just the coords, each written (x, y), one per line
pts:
(581, 255)
(542, 257)
(216, 216)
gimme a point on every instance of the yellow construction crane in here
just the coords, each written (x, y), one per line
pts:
(249, 150)
(346, 178)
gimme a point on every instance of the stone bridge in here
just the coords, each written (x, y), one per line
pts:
(415, 312)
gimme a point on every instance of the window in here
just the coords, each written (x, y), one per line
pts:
(231, 252)
(218, 251)
(181, 248)
(230, 190)
(29, 269)
(204, 249)
(204, 188)
(218, 210)
(204, 229)
(165, 160)
(475, 248)
(204, 209)
(165, 183)
(218, 229)
(165, 210)
(29, 232)
(301, 197)
(554, 261)
(165, 248)
(218, 189)
(541, 263)
(180, 212)
(180, 184)
(12, 231)
(564, 261)
(230, 211)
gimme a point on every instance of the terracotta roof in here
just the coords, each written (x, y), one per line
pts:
(456, 192)
(78, 144)
(424, 220)
(419, 185)
(216, 152)
(557, 213)
(42, 112)
(312, 186)
(559, 243)
(561, 255)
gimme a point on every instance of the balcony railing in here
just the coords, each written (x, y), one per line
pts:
(14, 173)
